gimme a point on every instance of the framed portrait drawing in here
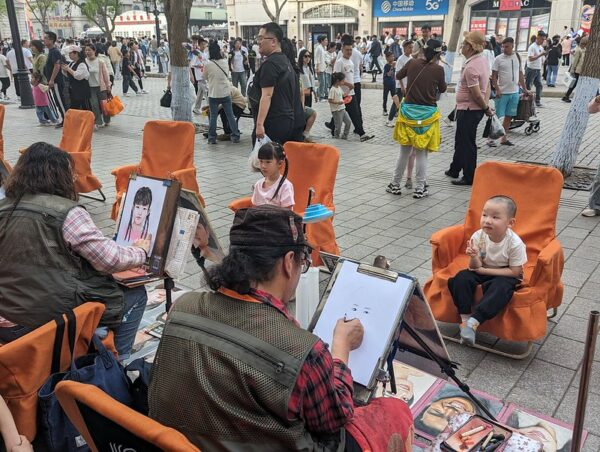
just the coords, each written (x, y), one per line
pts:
(556, 436)
(412, 384)
(205, 240)
(148, 212)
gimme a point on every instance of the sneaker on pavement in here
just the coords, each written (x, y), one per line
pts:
(385, 113)
(420, 193)
(566, 99)
(468, 331)
(366, 137)
(144, 91)
(394, 189)
(223, 137)
(590, 212)
(138, 93)
(492, 143)
(389, 123)
(125, 94)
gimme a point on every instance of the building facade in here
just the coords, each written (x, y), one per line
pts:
(307, 19)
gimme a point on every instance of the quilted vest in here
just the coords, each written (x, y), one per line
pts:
(40, 277)
(224, 373)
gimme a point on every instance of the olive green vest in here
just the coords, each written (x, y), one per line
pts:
(224, 373)
(40, 277)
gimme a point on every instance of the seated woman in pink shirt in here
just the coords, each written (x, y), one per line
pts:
(274, 188)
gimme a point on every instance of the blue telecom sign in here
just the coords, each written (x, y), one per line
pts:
(393, 8)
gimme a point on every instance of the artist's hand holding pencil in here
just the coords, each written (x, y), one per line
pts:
(347, 336)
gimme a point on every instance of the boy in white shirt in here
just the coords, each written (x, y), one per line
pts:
(497, 256)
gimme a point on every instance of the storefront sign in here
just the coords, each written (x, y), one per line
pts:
(510, 5)
(393, 8)
(477, 25)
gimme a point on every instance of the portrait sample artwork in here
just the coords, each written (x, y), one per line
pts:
(205, 240)
(411, 384)
(556, 436)
(445, 401)
(148, 213)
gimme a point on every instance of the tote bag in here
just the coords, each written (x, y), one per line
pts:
(100, 369)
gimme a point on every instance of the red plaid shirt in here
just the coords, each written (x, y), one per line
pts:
(322, 396)
(86, 240)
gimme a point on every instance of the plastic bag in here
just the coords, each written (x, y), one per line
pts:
(253, 162)
(567, 80)
(496, 128)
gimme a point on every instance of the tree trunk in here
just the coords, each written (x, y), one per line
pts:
(567, 149)
(457, 22)
(178, 18)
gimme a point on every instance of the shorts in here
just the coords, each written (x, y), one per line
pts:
(507, 105)
(308, 112)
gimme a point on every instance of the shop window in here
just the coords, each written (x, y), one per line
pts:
(330, 10)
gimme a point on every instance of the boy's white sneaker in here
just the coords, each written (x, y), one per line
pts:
(468, 331)
(590, 212)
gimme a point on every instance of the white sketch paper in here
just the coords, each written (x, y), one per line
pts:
(376, 302)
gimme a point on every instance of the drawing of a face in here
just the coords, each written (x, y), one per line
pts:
(437, 415)
(357, 310)
(544, 433)
(140, 213)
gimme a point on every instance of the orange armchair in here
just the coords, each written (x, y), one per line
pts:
(536, 191)
(310, 165)
(25, 364)
(76, 139)
(104, 422)
(167, 152)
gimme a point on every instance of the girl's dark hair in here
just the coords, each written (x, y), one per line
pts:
(143, 197)
(331, 45)
(287, 48)
(337, 77)
(274, 151)
(301, 58)
(214, 51)
(39, 45)
(43, 168)
(36, 76)
(244, 267)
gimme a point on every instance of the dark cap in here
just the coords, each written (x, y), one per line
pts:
(267, 226)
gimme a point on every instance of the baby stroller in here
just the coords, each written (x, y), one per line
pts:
(526, 114)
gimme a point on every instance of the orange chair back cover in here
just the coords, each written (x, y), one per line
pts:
(25, 364)
(312, 165)
(536, 191)
(77, 131)
(167, 146)
(70, 393)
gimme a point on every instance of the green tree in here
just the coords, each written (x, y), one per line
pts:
(567, 149)
(178, 19)
(40, 9)
(101, 12)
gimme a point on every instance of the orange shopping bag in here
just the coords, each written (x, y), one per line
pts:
(114, 106)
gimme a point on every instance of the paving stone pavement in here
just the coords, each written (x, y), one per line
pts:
(371, 222)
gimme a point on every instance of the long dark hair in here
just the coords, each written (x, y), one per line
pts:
(214, 51)
(143, 197)
(287, 48)
(301, 60)
(274, 151)
(43, 168)
(244, 267)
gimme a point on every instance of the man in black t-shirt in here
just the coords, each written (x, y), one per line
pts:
(278, 83)
(53, 73)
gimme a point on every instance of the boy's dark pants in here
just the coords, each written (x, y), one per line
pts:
(497, 292)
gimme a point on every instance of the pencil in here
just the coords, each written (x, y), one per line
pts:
(487, 440)
(471, 432)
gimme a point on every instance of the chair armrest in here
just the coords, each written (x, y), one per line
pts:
(242, 203)
(549, 265)
(445, 244)
(187, 177)
(122, 176)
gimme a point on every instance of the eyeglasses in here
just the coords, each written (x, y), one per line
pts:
(306, 261)
(260, 38)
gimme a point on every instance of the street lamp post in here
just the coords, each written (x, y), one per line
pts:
(22, 74)
(156, 12)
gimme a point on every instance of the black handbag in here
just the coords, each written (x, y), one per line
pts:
(165, 100)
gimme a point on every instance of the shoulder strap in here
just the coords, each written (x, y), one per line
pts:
(416, 78)
(59, 337)
(222, 70)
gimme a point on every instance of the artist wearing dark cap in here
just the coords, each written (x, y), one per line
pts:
(234, 371)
